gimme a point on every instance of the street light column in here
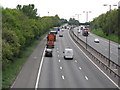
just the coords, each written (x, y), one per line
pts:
(109, 39)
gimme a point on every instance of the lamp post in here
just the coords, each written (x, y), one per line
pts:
(86, 22)
(48, 13)
(119, 40)
(86, 15)
(109, 34)
(78, 22)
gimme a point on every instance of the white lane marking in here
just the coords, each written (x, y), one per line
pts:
(59, 60)
(61, 68)
(86, 77)
(80, 68)
(57, 48)
(35, 57)
(40, 67)
(96, 65)
(58, 51)
(76, 61)
(63, 77)
(58, 55)
(15, 80)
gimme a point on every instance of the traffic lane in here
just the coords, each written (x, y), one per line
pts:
(50, 75)
(105, 40)
(101, 47)
(72, 77)
(27, 76)
(95, 77)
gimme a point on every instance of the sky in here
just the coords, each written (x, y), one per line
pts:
(65, 8)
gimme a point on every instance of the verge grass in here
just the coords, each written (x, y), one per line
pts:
(9, 75)
(100, 33)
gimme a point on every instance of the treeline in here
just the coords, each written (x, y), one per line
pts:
(106, 22)
(72, 21)
(20, 27)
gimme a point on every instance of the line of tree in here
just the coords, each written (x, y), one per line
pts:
(72, 21)
(21, 26)
(106, 22)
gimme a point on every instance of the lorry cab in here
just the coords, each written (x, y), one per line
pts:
(68, 53)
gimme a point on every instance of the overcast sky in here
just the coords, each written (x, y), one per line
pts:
(65, 8)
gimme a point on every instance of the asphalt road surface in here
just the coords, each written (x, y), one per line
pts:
(56, 72)
(102, 47)
(77, 73)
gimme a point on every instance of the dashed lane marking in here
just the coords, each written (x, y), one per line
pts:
(95, 64)
(76, 61)
(86, 77)
(80, 68)
(63, 77)
(61, 68)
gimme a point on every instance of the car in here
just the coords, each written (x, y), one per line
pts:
(62, 29)
(79, 31)
(118, 46)
(96, 40)
(68, 53)
(48, 52)
(60, 35)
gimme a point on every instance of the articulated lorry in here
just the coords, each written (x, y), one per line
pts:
(50, 40)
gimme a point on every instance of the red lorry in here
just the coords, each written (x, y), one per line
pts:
(50, 40)
(85, 32)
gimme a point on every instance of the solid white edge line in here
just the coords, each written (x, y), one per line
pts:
(40, 67)
(15, 81)
(95, 64)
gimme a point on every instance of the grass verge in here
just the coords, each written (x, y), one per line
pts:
(100, 33)
(9, 75)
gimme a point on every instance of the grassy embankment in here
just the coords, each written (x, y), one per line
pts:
(100, 33)
(9, 75)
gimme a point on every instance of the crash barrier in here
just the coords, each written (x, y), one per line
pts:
(105, 64)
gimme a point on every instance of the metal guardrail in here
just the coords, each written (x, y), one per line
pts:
(107, 65)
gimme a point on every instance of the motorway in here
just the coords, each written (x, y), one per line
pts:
(101, 47)
(77, 73)
(56, 72)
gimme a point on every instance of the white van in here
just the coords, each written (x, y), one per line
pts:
(68, 53)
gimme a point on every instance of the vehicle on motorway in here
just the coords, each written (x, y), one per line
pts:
(50, 44)
(53, 33)
(50, 40)
(96, 40)
(48, 52)
(118, 46)
(79, 31)
(85, 32)
(68, 53)
(62, 29)
(60, 35)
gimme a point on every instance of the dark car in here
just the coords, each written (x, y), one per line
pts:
(48, 52)
(60, 35)
(118, 46)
